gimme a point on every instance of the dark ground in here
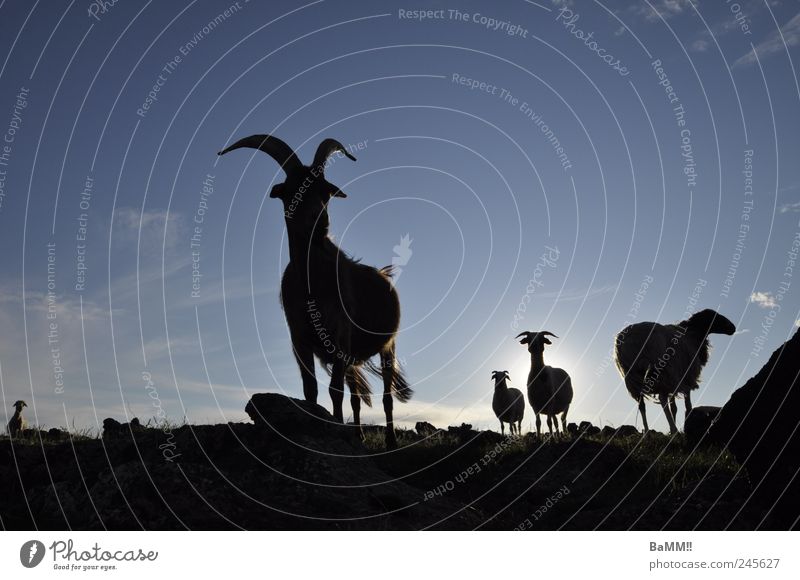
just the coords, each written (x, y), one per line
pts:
(306, 473)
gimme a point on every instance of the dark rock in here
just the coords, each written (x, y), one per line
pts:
(759, 426)
(425, 429)
(608, 431)
(697, 424)
(627, 431)
(572, 428)
(111, 428)
(588, 429)
(294, 419)
(463, 429)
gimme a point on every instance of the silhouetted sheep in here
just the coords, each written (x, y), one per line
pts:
(337, 309)
(664, 361)
(508, 403)
(17, 424)
(549, 388)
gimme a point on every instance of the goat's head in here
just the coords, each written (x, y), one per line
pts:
(535, 340)
(499, 377)
(708, 322)
(305, 193)
(19, 405)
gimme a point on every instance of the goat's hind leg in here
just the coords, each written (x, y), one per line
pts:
(305, 360)
(337, 388)
(388, 371)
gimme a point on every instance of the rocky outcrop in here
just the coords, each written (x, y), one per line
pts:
(760, 426)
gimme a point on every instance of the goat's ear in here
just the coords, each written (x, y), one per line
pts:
(277, 191)
(544, 340)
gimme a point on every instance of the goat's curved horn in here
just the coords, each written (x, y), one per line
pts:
(547, 333)
(272, 146)
(327, 148)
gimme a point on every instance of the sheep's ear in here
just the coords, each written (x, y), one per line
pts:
(710, 322)
(277, 191)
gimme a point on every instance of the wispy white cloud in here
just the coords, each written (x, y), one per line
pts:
(790, 207)
(700, 45)
(658, 9)
(763, 299)
(776, 41)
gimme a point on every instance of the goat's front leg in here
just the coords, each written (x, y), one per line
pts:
(665, 404)
(305, 360)
(337, 388)
(538, 425)
(388, 370)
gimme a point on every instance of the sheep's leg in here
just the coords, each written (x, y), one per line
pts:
(305, 360)
(673, 406)
(564, 419)
(687, 401)
(388, 370)
(337, 389)
(519, 427)
(550, 424)
(538, 425)
(643, 412)
(502, 428)
(664, 400)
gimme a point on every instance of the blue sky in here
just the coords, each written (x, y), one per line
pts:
(489, 137)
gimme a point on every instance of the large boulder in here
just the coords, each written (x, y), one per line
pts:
(698, 423)
(298, 421)
(760, 426)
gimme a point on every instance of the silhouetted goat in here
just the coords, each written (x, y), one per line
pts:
(549, 388)
(663, 361)
(337, 309)
(17, 423)
(508, 403)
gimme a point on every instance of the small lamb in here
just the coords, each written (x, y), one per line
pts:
(508, 403)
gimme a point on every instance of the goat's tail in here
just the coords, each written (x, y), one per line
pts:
(401, 390)
(358, 383)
